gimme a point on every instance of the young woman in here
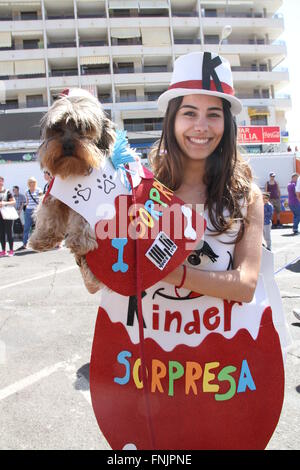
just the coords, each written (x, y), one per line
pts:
(6, 199)
(198, 159)
(186, 363)
(32, 195)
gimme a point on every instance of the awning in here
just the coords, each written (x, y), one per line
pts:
(29, 67)
(27, 34)
(21, 3)
(123, 4)
(153, 4)
(258, 112)
(95, 59)
(233, 59)
(156, 37)
(6, 68)
(5, 39)
(125, 33)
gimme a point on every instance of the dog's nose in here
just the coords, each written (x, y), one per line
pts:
(68, 148)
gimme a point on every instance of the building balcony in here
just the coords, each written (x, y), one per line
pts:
(260, 78)
(142, 78)
(34, 82)
(284, 103)
(244, 23)
(143, 127)
(21, 25)
(138, 99)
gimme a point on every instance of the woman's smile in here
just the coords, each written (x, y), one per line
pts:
(199, 125)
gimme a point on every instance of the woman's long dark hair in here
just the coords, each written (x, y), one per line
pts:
(227, 177)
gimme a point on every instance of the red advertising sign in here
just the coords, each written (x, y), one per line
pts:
(258, 135)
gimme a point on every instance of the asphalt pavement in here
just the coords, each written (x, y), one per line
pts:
(47, 322)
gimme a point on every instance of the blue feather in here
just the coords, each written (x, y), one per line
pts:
(122, 153)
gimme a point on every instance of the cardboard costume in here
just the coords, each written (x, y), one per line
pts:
(212, 365)
(171, 368)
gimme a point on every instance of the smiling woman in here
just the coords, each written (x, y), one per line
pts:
(199, 126)
(196, 343)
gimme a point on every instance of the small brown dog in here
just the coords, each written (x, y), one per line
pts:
(76, 138)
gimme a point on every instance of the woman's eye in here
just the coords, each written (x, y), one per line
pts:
(214, 115)
(189, 113)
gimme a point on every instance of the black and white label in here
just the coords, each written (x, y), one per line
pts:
(161, 251)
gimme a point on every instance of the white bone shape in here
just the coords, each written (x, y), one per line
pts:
(189, 232)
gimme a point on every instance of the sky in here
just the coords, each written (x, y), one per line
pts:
(291, 35)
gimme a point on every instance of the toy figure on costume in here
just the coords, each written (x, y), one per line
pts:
(188, 343)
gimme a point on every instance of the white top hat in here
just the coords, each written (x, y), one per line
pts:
(203, 73)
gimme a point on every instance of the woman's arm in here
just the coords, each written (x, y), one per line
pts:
(10, 202)
(239, 283)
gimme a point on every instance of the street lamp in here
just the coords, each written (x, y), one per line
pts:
(226, 31)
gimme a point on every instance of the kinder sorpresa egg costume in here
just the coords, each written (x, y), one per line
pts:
(171, 368)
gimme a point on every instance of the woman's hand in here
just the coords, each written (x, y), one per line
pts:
(239, 283)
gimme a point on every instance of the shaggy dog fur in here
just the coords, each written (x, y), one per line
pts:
(76, 137)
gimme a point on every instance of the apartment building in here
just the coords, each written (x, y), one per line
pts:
(123, 52)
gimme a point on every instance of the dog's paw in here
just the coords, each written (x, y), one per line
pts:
(80, 246)
(42, 243)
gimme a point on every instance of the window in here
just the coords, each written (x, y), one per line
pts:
(127, 95)
(210, 13)
(142, 125)
(34, 101)
(96, 69)
(29, 15)
(127, 41)
(105, 98)
(259, 121)
(266, 93)
(30, 43)
(211, 39)
(120, 13)
(124, 67)
(10, 104)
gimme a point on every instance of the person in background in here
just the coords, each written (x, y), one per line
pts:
(20, 204)
(6, 199)
(20, 199)
(297, 189)
(32, 195)
(289, 149)
(294, 203)
(268, 213)
(48, 178)
(272, 187)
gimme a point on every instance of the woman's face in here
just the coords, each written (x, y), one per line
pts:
(32, 185)
(1, 183)
(199, 125)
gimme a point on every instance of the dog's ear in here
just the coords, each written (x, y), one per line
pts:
(108, 136)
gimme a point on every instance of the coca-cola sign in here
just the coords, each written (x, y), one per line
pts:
(251, 135)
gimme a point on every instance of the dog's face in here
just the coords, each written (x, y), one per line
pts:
(76, 135)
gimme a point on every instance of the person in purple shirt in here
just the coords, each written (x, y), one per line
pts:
(294, 203)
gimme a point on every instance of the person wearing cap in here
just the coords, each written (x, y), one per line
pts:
(197, 158)
(272, 187)
(293, 202)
